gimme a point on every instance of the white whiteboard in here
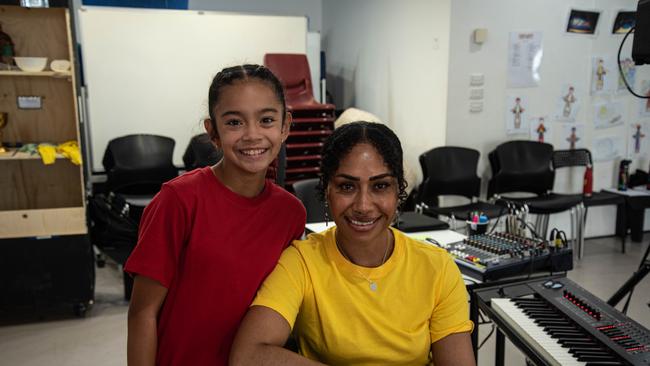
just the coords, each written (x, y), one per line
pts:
(148, 71)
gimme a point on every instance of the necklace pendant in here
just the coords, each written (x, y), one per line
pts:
(373, 286)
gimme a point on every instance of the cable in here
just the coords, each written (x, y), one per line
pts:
(620, 68)
(498, 218)
(486, 337)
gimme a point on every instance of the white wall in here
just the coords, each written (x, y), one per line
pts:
(309, 8)
(567, 58)
(391, 58)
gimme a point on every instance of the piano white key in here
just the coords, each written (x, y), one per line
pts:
(524, 326)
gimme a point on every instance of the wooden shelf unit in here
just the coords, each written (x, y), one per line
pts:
(39, 200)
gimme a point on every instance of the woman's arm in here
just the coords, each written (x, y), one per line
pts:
(147, 298)
(453, 350)
(260, 338)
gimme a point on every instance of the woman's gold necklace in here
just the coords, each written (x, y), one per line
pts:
(373, 284)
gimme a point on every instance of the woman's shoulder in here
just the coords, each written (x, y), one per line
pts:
(423, 250)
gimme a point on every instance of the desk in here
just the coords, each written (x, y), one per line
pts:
(636, 201)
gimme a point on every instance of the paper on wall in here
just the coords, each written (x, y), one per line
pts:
(638, 139)
(608, 114)
(608, 148)
(604, 75)
(541, 129)
(644, 104)
(524, 59)
(516, 115)
(573, 136)
(568, 104)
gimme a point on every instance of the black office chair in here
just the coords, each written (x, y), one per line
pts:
(582, 157)
(139, 164)
(201, 152)
(451, 170)
(305, 190)
(136, 167)
(526, 166)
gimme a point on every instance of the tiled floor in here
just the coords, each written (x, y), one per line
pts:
(100, 338)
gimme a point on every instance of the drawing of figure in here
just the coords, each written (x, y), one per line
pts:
(573, 138)
(569, 99)
(517, 111)
(629, 70)
(638, 135)
(541, 130)
(600, 75)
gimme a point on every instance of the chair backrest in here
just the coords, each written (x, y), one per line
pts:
(569, 158)
(449, 170)
(306, 192)
(139, 164)
(293, 71)
(521, 166)
(201, 152)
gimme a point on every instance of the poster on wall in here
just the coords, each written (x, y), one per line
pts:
(524, 59)
(638, 140)
(568, 104)
(608, 114)
(624, 21)
(582, 21)
(604, 75)
(608, 148)
(644, 104)
(516, 115)
(573, 136)
(629, 72)
(540, 129)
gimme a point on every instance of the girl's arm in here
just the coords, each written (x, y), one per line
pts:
(146, 299)
(453, 350)
(260, 338)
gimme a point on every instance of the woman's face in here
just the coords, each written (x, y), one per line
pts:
(362, 195)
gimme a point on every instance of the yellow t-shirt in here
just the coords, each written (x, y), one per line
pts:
(337, 319)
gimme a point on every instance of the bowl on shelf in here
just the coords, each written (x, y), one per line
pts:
(60, 65)
(31, 64)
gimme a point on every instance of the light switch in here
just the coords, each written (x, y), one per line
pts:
(476, 79)
(480, 35)
(476, 93)
(476, 107)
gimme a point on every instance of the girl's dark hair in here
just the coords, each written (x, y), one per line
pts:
(346, 137)
(230, 75)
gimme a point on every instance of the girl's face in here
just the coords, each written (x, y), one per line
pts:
(362, 195)
(249, 126)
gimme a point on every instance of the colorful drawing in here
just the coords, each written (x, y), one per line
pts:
(517, 110)
(572, 136)
(568, 104)
(603, 75)
(644, 104)
(516, 122)
(629, 72)
(582, 22)
(608, 114)
(625, 20)
(637, 136)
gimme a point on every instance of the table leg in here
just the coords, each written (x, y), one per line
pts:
(500, 348)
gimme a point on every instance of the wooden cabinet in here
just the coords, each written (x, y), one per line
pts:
(38, 199)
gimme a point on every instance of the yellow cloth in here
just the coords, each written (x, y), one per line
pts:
(338, 320)
(71, 151)
(48, 153)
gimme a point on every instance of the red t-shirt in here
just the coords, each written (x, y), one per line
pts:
(211, 248)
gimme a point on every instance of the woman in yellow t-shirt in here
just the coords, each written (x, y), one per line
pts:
(360, 293)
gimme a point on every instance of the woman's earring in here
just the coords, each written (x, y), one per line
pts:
(327, 215)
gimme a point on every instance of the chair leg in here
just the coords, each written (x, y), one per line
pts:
(572, 216)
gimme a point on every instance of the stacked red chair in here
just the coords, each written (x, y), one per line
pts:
(312, 121)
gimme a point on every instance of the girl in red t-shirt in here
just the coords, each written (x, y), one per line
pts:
(210, 236)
